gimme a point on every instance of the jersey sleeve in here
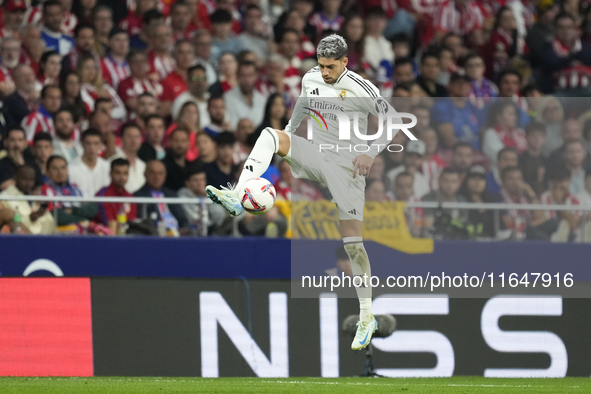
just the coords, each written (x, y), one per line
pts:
(298, 114)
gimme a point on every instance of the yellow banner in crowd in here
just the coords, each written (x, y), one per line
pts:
(383, 223)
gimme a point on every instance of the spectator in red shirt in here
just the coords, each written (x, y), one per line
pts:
(42, 119)
(108, 211)
(13, 17)
(175, 83)
(180, 20)
(188, 119)
(328, 18)
(115, 64)
(138, 82)
(159, 55)
(462, 17)
(84, 38)
(133, 22)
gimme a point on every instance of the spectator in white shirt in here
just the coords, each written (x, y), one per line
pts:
(197, 93)
(378, 50)
(413, 155)
(89, 171)
(131, 141)
(64, 143)
(244, 99)
(253, 35)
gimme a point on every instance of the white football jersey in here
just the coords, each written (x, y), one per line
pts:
(350, 94)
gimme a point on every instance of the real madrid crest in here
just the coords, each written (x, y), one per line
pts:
(343, 95)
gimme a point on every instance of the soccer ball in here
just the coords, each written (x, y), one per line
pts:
(257, 196)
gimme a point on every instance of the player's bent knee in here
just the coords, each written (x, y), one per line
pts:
(284, 143)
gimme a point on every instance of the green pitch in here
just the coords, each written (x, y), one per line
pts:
(292, 385)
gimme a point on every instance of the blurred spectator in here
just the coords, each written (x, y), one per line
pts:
(175, 83)
(244, 99)
(254, 36)
(482, 89)
(523, 223)
(115, 63)
(531, 162)
(353, 31)
(243, 130)
(456, 117)
(228, 75)
(375, 191)
(138, 82)
(52, 35)
(202, 43)
(42, 149)
(509, 83)
(448, 64)
(584, 196)
(17, 154)
(71, 97)
(462, 17)
(175, 160)
(221, 171)
(90, 172)
(574, 155)
(507, 157)
(180, 20)
(559, 194)
(429, 71)
(13, 17)
(413, 155)
(108, 212)
(327, 18)
(533, 96)
(404, 192)
(290, 48)
(571, 131)
(482, 221)
(132, 23)
(93, 88)
(159, 55)
(502, 130)
(272, 81)
(101, 17)
(222, 40)
(42, 119)
(462, 158)
(59, 185)
(150, 20)
(188, 119)
(378, 50)
(505, 41)
(10, 49)
(173, 216)
(275, 115)
(34, 216)
(207, 148)
(432, 164)
(567, 59)
(377, 171)
(102, 122)
(50, 68)
(445, 222)
(146, 105)
(209, 215)
(542, 30)
(24, 99)
(32, 47)
(403, 71)
(131, 141)
(65, 143)
(197, 93)
(152, 148)
(84, 38)
(550, 113)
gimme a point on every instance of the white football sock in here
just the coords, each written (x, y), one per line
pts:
(360, 267)
(259, 159)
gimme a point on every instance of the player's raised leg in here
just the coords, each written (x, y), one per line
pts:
(367, 324)
(270, 141)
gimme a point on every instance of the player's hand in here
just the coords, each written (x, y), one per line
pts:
(362, 165)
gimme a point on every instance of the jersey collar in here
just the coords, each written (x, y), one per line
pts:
(342, 75)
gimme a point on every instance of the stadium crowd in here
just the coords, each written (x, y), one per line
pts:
(159, 98)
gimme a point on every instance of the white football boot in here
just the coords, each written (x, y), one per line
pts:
(227, 198)
(365, 330)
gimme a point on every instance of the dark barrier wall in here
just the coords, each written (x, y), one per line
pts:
(191, 327)
(259, 258)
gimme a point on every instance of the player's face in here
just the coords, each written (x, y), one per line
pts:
(331, 69)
